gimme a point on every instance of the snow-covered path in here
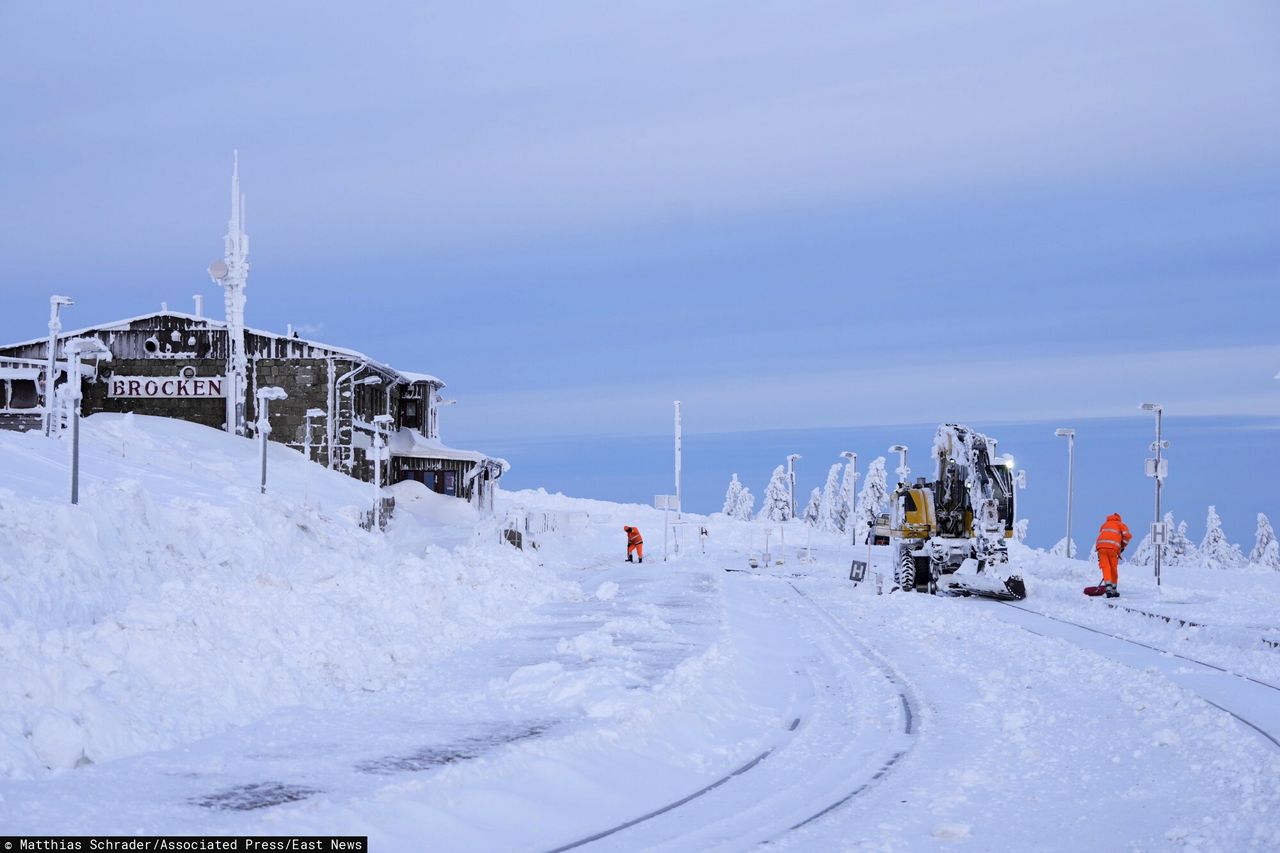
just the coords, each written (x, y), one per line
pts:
(437, 689)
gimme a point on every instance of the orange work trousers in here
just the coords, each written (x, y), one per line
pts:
(1109, 562)
(637, 547)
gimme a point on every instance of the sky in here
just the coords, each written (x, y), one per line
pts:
(788, 216)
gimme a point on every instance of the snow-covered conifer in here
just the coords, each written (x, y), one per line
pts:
(777, 497)
(1266, 550)
(1144, 554)
(732, 497)
(746, 505)
(1060, 549)
(1020, 529)
(1180, 551)
(872, 498)
(813, 509)
(835, 507)
(1215, 550)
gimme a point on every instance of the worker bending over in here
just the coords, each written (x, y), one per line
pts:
(635, 542)
(1113, 538)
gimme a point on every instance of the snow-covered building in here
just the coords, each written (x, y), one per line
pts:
(339, 402)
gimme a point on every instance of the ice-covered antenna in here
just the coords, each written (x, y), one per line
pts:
(230, 274)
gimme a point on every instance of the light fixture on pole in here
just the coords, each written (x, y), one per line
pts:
(903, 471)
(56, 304)
(853, 489)
(75, 350)
(1158, 469)
(791, 481)
(265, 396)
(1070, 436)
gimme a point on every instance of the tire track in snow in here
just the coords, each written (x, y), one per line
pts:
(910, 717)
(910, 706)
(1275, 741)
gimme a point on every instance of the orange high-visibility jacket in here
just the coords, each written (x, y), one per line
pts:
(633, 536)
(1114, 534)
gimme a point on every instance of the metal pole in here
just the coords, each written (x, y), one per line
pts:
(263, 429)
(791, 481)
(666, 515)
(679, 503)
(1159, 481)
(50, 379)
(1071, 454)
(75, 430)
(377, 480)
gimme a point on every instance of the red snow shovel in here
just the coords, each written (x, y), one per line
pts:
(1095, 590)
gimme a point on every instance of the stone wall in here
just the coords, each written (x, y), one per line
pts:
(210, 411)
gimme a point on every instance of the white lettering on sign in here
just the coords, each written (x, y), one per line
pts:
(166, 387)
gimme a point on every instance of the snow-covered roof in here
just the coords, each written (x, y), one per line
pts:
(123, 325)
(420, 377)
(408, 442)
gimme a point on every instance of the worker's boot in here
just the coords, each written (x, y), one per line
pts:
(641, 560)
(1111, 591)
(629, 560)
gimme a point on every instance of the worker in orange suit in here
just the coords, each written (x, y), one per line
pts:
(635, 542)
(1113, 538)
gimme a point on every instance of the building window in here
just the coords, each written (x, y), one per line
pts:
(410, 414)
(22, 394)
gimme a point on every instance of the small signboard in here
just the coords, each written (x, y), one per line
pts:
(664, 502)
(1161, 471)
(1159, 533)
(858, 571)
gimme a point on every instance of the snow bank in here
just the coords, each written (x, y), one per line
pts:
(175, 601)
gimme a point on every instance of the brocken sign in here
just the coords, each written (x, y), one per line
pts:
(186, 385)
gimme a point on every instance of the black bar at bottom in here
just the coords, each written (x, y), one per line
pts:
(185, 843)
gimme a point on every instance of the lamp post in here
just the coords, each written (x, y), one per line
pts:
(381, 423)
(679, 505)
(853, 489)
(1157, 469)
(265, 396)
(791, 481)
(1070, 436)
(56, 304)
(75, 349)
(903, 471)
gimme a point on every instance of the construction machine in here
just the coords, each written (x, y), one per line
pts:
(950, 535)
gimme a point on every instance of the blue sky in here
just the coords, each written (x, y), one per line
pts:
(789, 216)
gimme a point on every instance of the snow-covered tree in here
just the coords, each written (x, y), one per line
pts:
(835, 506)
(777, 497)
(813, 509)
(1144, 554)
(1215, 550)
(746, 505)
(732, 497)
(1020, 529)
(1060, 549)
(1180, 551)
(1266, 550)
(873, 497)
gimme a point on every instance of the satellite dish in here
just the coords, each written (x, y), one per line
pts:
(218, 271)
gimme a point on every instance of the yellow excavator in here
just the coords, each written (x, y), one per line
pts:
(950, 535)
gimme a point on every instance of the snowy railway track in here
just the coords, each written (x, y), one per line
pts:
(1248, 696)
(822, 766)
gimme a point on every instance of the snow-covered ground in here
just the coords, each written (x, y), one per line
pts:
(184, 655)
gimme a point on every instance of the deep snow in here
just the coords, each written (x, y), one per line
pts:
(186, 655)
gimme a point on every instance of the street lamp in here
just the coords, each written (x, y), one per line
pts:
(853, 488)
(309, 417)
(381, 425)
(265, 396)
(75, 349)
(56, 304)
(791, 481)
(1070, 436)
(1157, 469)
(903, 471)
